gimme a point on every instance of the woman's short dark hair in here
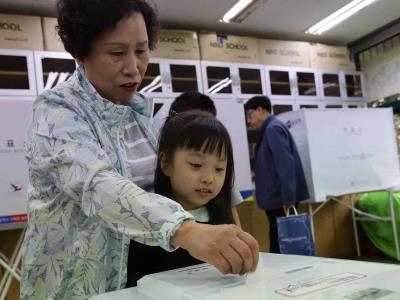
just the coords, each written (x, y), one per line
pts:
(80, 22)
(191, 131)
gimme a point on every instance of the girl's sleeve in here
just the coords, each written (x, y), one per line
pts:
(64, 147)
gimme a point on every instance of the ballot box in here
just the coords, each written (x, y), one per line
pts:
(277, 277)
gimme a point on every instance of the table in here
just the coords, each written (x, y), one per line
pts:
(306, 278)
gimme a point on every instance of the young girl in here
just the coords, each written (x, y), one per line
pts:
(195, 168)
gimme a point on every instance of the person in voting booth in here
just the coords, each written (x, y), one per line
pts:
(279, 177)
(91, 157)
(195, 168)
(197, 102)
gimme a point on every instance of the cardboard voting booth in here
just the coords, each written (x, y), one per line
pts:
(14, 119)
(345, 151)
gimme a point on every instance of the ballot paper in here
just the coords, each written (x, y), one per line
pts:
(203, 282)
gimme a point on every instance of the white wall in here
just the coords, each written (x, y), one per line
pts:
(381, 68)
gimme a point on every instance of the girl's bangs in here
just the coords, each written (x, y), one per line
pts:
(209, 138)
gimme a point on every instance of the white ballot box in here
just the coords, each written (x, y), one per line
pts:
(194, 282)
(198, 282)
(345, 151)
(278, 277)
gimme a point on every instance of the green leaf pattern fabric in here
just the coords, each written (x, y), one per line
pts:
(83, 206)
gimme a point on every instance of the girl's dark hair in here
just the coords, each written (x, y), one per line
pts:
(80, 22)
(191, 131)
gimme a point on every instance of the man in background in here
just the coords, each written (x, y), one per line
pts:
(279, 178)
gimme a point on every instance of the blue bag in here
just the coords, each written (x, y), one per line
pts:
(294, 234)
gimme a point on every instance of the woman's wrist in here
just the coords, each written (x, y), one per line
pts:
(183, 233)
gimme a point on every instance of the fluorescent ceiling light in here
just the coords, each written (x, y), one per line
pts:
(241, 10)
(338, 16)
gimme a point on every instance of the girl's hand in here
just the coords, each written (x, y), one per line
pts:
(227, 247)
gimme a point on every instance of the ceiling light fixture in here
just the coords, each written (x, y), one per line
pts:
(338, 16)
(241, 10)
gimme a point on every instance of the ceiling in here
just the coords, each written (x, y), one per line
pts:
(276, 19)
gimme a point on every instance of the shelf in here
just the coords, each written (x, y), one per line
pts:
(13, 73)
(250, 81)
(215, 80)
(307, 84)
(183, 79)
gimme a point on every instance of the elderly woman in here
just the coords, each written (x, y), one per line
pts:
(91, 153)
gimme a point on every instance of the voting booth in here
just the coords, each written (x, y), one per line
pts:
(345, 151)
(14, 119)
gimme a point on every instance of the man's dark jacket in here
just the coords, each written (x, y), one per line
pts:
(279, 176)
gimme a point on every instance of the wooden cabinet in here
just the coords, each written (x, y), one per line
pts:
(17, 73)
(251, 80)
(305, 104)
(171, 77)
(52, 68)
(332, 104)
(306, 84)
(218, 80)
(153, 84)
(354, 86)
(353, 104)
(280, 106)
(313, 88)
(232, 80)
(330, 84)
(342, 86)
(292, 83)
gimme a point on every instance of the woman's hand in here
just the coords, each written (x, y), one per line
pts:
(227, 247)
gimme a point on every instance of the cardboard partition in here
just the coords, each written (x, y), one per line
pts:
(284, 53)
(52, 41)
(20, 32)
(330, 57)
(229, 48)
(345, 142)
(177, 44)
